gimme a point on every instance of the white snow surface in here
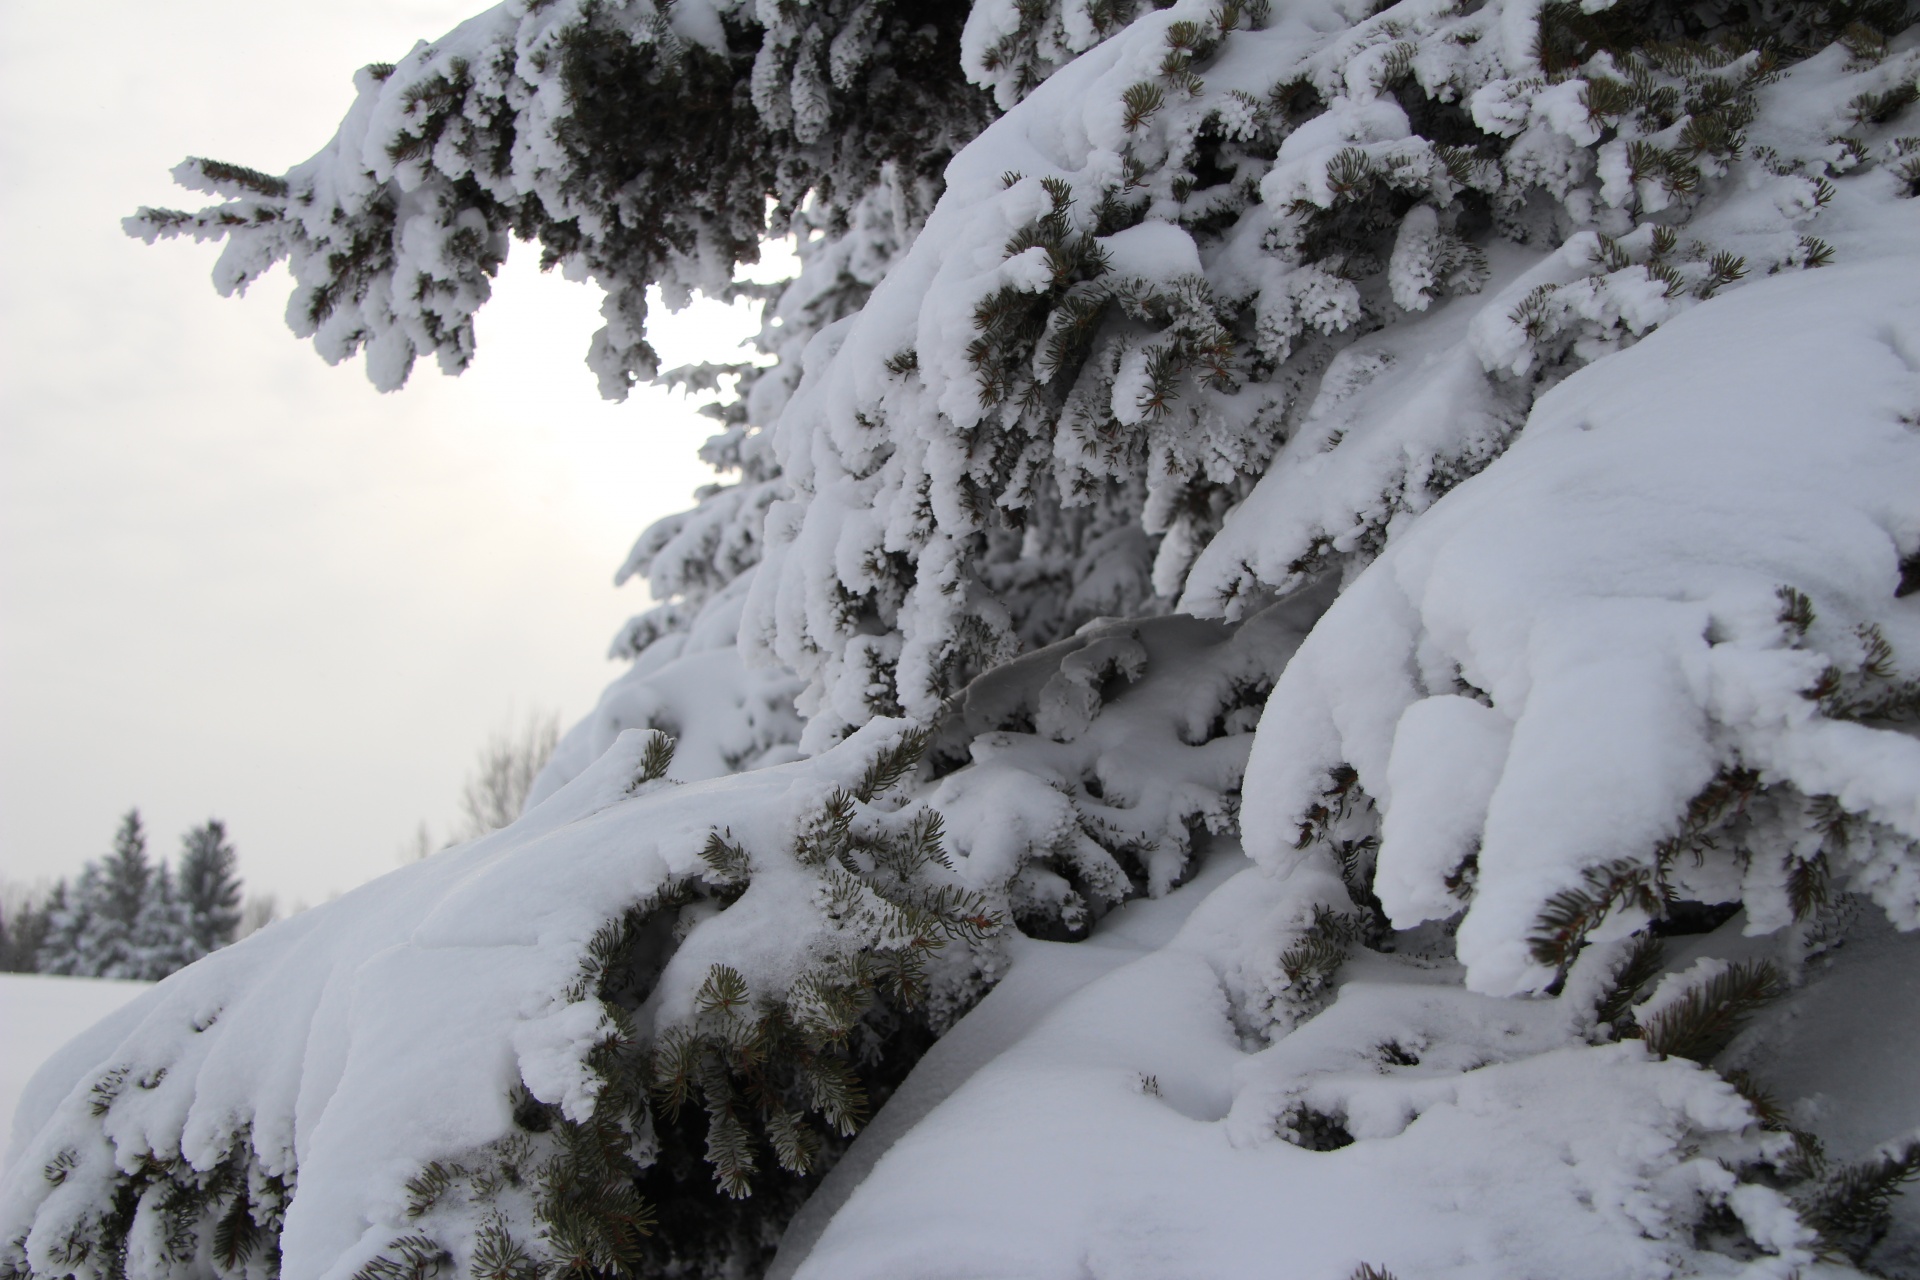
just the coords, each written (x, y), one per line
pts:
(40, 1016)
(1128, 1131)
(691, 685)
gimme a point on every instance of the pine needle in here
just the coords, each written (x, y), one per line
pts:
(1705, 1020)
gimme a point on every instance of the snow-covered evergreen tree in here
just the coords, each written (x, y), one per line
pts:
(104, 923)
(125, 881)
(209, 888)
(162, 938)
(23, 924)
(55, 953)
(128, 917)
(1461, 454)
(76, 926)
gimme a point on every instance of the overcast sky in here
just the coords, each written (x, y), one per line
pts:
(234, 581)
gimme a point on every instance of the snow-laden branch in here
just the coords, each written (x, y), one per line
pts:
(1548, 669)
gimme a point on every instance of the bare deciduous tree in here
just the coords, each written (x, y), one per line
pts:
(496, 790)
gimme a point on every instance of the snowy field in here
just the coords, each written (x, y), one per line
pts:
(38, 1014)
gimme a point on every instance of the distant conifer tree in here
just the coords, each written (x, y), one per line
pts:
(127, 873)
(23, 927)
(126, 880)
(70, 913)
(209, 886)
(130, 918)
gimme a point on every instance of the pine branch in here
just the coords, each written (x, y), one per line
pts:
(498, 1256)
(1570, 915)
(1141, 101)
(674, 1060)
(830, 833)
(233, 181)
(1641, 966)
(1796, 611)
(1705, 1020)
(1809, 882)
(425, 1188)
(727, 860)
(1317, 955)
(1852, 1208)
(723, 992)
(655, 761)
(795, 1145)
(107, 1089)
(1766, 1107)
(235, 1235)
(892, 765)
(1872, 109)
(408, 1257)
(729, 1151)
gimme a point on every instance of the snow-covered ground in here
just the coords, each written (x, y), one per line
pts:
(39, 1014)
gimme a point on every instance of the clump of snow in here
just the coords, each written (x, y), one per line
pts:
(1153, 250)
(691, 685)
(1138, 740)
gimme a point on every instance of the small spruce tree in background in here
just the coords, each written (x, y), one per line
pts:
(23, 927)
(209, 886)
(71, 932)
(117, 934)
(53, 914)
(161, 940)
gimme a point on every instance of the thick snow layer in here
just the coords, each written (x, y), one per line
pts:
(1130, 1132)
(1844, 1053)
(691, 685)
(39, 1016)
(1040, 976)
(1611, 587)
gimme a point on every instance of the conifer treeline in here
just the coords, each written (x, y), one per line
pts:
(128, 916)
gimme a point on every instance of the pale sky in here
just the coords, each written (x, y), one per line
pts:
(236, 582)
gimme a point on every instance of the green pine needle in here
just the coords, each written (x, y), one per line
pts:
(1641, 966)
(1852, 1206)
(1705, 1020)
